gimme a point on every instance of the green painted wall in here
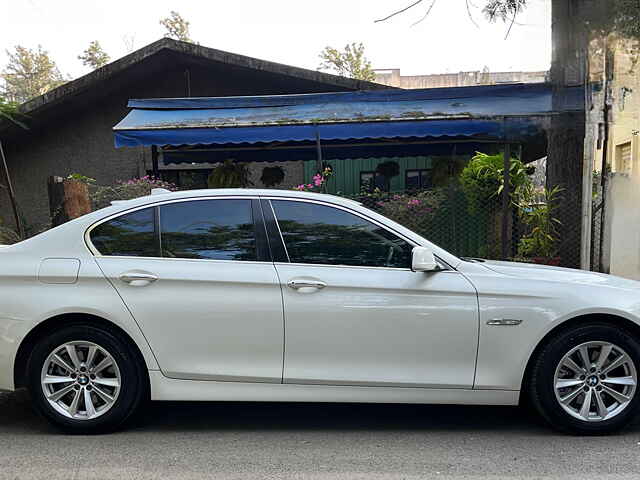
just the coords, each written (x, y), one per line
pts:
(346, 178)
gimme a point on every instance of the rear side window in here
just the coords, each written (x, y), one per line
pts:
(129, 235)
(208, 229)
(319, 234)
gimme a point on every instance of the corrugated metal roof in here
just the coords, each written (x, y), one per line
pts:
(367, 114)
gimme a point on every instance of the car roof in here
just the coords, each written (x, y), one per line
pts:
(160, 195)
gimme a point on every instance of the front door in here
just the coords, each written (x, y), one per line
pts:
(197, 277)
(355, 313)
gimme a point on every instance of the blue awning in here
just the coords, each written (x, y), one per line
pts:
(476, 112)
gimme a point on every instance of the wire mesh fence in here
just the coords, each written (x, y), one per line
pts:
(477, 227)
(597, 233)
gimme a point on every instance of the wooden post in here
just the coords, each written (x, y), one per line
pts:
(318, 150)
(68, 199)
(12, 196)
(154, 161)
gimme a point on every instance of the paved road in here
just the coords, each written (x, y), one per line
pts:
(312, 441)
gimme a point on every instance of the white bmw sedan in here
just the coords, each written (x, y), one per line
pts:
(263, 295)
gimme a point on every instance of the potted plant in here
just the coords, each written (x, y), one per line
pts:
(536, 210)
(230, 174)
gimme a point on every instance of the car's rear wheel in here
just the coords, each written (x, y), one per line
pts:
(85, 379)
(585, 380)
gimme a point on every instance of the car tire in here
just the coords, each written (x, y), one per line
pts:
(598, 399)
(94, 390)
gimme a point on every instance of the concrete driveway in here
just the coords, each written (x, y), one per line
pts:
(312, 441)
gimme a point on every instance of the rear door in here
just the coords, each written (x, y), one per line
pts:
(197, 276)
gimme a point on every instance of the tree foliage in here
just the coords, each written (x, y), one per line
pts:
(504, 10)
(230, 174)
(272, 176)
(94, 56)
(350, 62)
(29, 73)
(482, 180)
(603, 17)
(536, 209)
(176, 27)
(493, 10)
(9, 111)
(618, 17)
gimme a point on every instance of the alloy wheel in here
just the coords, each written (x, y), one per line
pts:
(81, 380)
(595, 381)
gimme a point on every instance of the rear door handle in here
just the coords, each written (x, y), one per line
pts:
(138, 279)
(298, 284)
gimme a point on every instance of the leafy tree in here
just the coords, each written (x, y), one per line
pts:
(620, 17)
(493, 10)
(94, 56)
(28, 74)
(9, 111)
(176, 27)
(351, 62)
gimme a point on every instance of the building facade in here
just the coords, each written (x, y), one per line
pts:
(392, 77)
(70, 128)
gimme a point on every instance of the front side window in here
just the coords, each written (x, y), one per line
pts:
(129, 235)
(324, 235)
(208, 229)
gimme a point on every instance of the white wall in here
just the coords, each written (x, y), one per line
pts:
(623, 224)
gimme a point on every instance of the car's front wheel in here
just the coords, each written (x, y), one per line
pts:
(585, 380)
(85, 379)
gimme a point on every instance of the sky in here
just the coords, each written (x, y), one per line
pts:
(293, 32)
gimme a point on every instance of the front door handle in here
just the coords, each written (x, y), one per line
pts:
(138, 279)
(298, 284)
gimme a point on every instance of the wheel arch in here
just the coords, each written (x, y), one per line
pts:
(66, 319)
(612, 319)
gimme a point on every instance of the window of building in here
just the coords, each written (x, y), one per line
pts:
(624, 157)
(324, 235)
(369, 181)
(418, 179)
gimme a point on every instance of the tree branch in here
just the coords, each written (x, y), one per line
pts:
(426, 14)
(467, 3)
(398, 12)
(513, 20)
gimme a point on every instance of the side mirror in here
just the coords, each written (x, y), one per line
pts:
(423, 260)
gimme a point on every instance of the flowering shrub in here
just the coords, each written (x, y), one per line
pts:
(413, 210)
(319, 181)
(102, 196)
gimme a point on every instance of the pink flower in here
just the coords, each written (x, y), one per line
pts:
(317, 179)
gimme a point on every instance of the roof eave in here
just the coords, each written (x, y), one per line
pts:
(87, 81)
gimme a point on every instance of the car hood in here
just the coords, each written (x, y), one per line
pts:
(559, 274)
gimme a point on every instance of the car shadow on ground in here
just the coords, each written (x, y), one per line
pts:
(17, 416)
